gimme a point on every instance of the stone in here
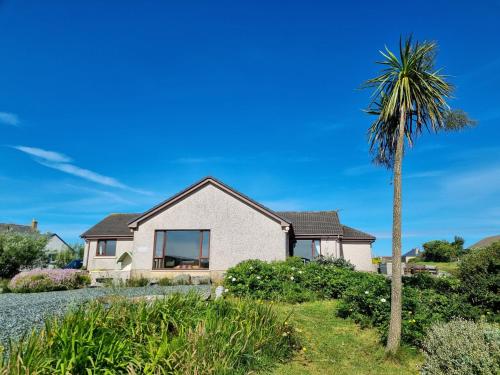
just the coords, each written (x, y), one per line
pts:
(219, 291)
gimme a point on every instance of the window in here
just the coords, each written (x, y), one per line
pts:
(181, 249)
(106, 248)
(307, 249)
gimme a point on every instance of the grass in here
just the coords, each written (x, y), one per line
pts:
(450, 267)
(337, 346)
(180, 334)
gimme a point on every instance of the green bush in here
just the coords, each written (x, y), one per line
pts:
(443, 284)
(178, 334)
(290, 280)
(462, 347)
(137, 282)
(165, 281)
(443, 251)
(18, 251)
(480, 274)
(338, 262)
(4, 286)
(368, 303)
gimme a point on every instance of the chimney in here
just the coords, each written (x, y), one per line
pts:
(34, 225)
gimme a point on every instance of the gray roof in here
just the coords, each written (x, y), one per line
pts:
(354, 234)
(412, 253)
(314, 222)
(486, 242)
(112, 225)
(17, 228)
(324, 223)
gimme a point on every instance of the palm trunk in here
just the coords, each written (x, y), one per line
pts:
(394, 337)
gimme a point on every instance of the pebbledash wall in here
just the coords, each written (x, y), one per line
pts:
(237, 232)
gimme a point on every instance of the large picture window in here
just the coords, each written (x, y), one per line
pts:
(106, 248)
(181, 249)
(307, 249)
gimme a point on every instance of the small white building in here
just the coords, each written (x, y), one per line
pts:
(210, 227)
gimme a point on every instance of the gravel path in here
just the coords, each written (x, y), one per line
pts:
(21, 312)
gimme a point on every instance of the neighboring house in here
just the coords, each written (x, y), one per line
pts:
(413, 253)
(55, 244)
(209, 227)
(486, 242)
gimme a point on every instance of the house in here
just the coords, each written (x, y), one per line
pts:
(413, 253)
(487, 241)
(209, 227)
(55, 244)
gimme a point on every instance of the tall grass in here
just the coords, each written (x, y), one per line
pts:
(175, 335)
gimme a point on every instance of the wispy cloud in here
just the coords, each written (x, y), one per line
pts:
(424, 174)
(474, 184)
(51, 156)
(360, 170)
(202, 160)
(61, 162)
(8, 118)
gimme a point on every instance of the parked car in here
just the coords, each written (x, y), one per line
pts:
(75, 264)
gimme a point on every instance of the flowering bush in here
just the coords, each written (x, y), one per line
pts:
(368, 303)
(290, 280)
(462, 347)
(44, 280)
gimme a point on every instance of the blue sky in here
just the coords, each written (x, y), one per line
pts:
(114, 106)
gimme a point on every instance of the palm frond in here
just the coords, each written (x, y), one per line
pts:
(408, 83)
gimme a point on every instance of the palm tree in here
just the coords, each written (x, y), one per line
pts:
(410, 95)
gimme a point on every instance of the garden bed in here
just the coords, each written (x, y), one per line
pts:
(21, 312)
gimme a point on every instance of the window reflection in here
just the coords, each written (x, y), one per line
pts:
(181, 249)
(307, 249)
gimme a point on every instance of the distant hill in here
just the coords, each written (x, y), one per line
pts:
(486, 241)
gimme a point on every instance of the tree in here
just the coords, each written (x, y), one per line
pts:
(479, 272)
(19, 251)
(410, 96)
(443, 251)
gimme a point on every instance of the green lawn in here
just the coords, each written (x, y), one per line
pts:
(450, 267)
(338, 346)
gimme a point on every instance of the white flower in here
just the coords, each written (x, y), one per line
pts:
(300, 272)
(367, 292)
(291, 278)
(226, 290)
(258, 277)
(233, 279)
(293, 268)
(383, 300)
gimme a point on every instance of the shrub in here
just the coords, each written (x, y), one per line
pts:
(290, 280)
(137, 281)
(368, 303)
(178, 334)
(4, 286)
(443, 251)
(44, 280)
(332, 261)
(443, 284)
(480, 274)
(165, 281)
(19, 251)
(462, 347)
